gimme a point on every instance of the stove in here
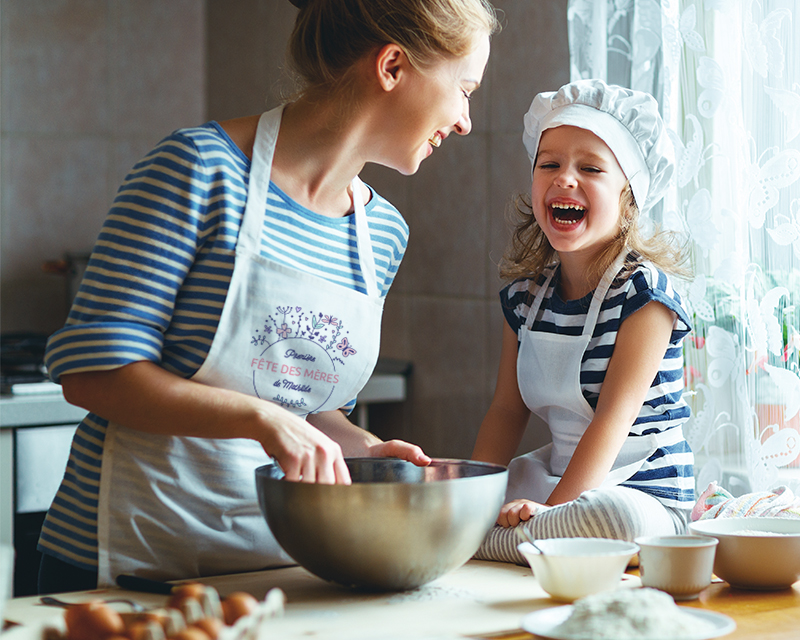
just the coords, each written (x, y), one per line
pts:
(22, 367)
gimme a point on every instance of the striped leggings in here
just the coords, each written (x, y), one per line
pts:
(619, 513)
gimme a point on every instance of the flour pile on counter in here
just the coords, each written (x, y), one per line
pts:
(643, 614)
(758, 532)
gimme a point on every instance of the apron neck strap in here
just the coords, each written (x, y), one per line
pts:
(602, 289)
(258, 189)
(597, 297)
(363, 239)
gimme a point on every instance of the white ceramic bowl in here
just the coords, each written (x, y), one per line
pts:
(572, 568)
(750, 555)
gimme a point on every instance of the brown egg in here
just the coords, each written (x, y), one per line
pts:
(146, 630)
(236, 605)
(212, 626)
(191, 633)
(93, 620)
(190, 590)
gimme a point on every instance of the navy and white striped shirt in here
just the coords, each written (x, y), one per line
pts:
(157, 280)
(668, 473)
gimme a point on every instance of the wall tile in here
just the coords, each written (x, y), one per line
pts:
(157, 69)
(65, 64)
(55, 201)
(395, 340)
(509, 176)
(55, 68)
(448, 218)
(531, 54)
(448, 385)
(247, 44)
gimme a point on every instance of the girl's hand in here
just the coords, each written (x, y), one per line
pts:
(516, 511)
(399, 449)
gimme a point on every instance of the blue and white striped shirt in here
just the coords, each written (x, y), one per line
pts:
(668, 473)
(157, 280)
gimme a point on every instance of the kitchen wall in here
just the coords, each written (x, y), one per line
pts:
(88, 86)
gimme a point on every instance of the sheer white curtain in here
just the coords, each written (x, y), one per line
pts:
(727, 76)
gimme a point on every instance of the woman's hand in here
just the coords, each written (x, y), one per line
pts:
(303, 452)
(516, 511)
(358, 443)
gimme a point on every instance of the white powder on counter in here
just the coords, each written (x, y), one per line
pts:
(643, 614)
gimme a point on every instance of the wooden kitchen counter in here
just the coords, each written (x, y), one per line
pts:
(479, 600)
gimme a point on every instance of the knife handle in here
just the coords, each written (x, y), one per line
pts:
(145, 585)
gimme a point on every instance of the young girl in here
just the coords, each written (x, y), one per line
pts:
(592, 343)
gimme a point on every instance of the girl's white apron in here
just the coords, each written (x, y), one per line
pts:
(548, 375)
(175, 507)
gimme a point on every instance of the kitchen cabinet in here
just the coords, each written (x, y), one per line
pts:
(35, 434)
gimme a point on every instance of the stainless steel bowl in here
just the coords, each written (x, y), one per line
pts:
(398, 526)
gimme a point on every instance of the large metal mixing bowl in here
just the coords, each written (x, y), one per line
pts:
(398, 526)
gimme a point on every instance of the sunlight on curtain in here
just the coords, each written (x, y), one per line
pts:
(727, 76)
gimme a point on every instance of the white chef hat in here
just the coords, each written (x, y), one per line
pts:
(626, 120)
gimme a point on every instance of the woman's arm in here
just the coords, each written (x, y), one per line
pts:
(145, 397)
(504, 424)
(642, 341)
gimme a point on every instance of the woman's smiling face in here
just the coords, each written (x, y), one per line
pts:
(576, 188)
(433, 104)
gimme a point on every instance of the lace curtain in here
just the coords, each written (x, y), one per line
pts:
(727, 76)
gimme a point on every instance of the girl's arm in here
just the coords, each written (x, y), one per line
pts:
(642, 341)
(504, 424)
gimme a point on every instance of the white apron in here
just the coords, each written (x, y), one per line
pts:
(548, 375)
(175, 507)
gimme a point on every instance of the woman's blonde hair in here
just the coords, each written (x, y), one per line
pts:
(530, 251)
(330, 36)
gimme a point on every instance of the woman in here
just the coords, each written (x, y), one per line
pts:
(231, 308)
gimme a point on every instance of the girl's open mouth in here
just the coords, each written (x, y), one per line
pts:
(567, 214)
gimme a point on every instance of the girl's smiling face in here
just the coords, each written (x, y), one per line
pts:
(575, 193)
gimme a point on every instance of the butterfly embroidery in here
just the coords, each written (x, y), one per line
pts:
(782, 447)
(788, 384)
(684, 33)
(762, 43)
(330, 320)
(709, 76)
(730, 270)
(345, 348)
(721, 348)
(696, 302)
(788, 103)
(701, 221)
(779, 172)
(690, 157)
(787, 230)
